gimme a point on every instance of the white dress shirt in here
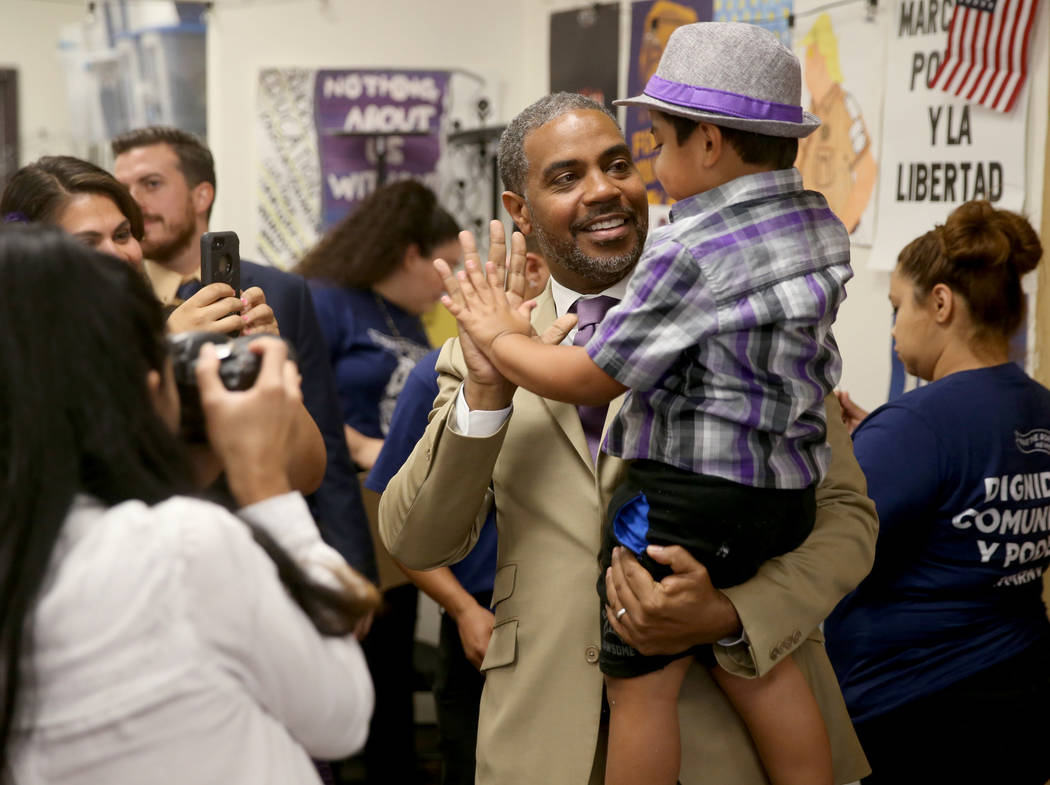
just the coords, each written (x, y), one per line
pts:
(166, 650)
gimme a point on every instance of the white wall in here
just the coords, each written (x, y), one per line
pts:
(29, 43)
(863, 326)
(495, 40)
(506, 41)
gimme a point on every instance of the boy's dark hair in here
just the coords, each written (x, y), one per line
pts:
(195, 159)
(778, 152)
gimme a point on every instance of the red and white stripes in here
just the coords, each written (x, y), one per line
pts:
(987, 57)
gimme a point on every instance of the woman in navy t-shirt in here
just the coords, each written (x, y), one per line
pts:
(943, 652)
(372, 277)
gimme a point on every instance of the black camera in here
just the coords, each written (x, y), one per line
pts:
(238, 369)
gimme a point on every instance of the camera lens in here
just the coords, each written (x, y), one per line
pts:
(219, 242)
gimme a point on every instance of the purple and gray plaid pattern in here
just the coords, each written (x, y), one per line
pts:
(725, 337)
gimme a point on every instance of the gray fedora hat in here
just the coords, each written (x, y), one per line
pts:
(730, 74)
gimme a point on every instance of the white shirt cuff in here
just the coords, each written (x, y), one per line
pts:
(479, 423)
(742, 638)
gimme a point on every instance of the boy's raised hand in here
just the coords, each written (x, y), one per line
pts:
(477, 298)
(502, 272)
(486, 388)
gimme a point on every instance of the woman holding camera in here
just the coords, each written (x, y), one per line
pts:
(942, 651)
(148, 635)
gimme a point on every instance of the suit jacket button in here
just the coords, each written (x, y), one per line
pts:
(591, 654)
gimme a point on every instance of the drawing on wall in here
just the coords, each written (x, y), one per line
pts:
(774, 15)
(651, 25)
(837, 159)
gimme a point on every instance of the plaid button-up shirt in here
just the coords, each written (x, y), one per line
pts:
(725, 338)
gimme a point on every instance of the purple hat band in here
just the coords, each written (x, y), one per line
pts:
(720, 101)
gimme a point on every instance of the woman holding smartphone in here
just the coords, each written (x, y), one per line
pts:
(93, 207)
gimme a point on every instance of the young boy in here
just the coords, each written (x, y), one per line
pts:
(724, 340)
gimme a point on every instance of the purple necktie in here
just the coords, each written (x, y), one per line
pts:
(590, 311)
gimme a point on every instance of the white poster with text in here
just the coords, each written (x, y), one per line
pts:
(937, 151)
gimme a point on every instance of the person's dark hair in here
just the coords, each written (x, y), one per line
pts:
(195, 159)
(981, 253)
(40, 191)
(777, 152)
(77, 417)
(369, 244)
(513, 163)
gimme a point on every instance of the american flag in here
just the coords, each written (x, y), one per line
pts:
(987, 57)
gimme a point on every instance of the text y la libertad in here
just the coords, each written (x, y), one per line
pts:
(950, 124)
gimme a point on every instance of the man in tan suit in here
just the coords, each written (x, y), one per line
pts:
(570, 180)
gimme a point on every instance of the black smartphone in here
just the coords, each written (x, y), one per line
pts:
(221, 259)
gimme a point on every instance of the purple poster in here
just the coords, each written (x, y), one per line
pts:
(375, 126)
(652, 23)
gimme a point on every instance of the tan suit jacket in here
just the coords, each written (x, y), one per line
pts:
(540, 712)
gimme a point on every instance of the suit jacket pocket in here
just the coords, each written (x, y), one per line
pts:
(503, 583)
(503, 646)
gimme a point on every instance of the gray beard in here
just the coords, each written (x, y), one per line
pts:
(603, 271)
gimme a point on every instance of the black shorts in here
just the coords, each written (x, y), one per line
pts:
(731, 529)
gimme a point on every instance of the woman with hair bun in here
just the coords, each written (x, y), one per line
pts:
(943, 650)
